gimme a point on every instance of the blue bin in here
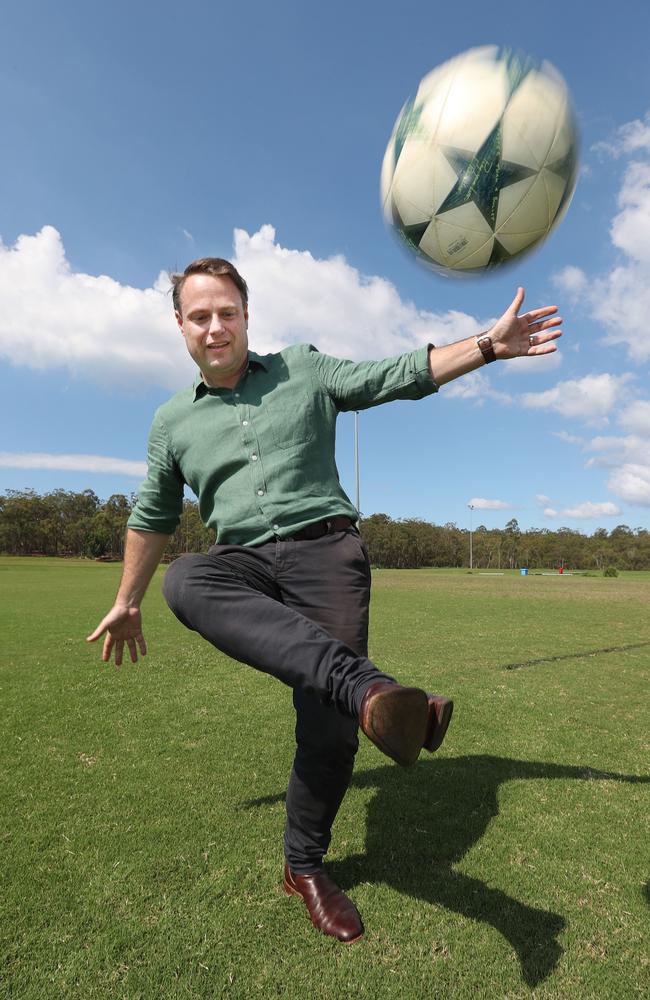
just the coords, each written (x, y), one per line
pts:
(523, 571)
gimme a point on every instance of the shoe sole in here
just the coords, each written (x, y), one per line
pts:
(438, 722)
(396, 721)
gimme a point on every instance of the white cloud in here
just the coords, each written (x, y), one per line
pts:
(630, 230)
(585, 511)
(636, 135)
(568, 438)
(629, 138)
(632, 483)
(72, 463)
(52, 317)
(540, 364)
(592, 510)
(571, 280)
(542, 499)
(610, 448)
(297, 297)
(615, 450)
(636, 418)
(590, 398)
(626, 455)
(629, 458)
(480, 503)
(619, 300)
(475, 386)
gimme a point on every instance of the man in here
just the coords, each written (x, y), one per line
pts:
(286, 586)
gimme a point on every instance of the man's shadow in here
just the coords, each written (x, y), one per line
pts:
(422, 822)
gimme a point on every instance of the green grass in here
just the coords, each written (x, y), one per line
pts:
(143, 806)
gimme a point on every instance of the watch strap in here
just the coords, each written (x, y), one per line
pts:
(484, 344)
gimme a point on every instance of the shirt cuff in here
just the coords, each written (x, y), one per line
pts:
(422, 374)
(161, 524)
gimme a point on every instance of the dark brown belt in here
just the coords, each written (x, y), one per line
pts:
(320, 528)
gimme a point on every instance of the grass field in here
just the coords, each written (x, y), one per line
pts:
(143, 806)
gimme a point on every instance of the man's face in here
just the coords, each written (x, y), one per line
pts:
(214, 322)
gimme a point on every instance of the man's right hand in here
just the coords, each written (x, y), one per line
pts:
(122, 624)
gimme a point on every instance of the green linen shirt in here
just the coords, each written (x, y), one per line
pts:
(260, 457)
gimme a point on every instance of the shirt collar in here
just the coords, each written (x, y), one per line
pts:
(254, 361)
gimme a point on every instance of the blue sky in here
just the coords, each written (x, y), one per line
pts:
(137, 137)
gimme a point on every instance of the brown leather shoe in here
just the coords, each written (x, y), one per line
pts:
(395, 718)
(329, 908)
(440, 711)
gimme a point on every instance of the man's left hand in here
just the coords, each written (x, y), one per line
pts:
(515, 336)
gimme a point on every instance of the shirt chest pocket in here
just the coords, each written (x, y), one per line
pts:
(290, 415)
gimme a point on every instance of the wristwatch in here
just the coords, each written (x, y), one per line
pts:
(484, 344)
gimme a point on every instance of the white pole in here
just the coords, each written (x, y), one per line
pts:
(356, 461)
(471, 555)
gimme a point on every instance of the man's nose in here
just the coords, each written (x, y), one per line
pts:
(216, 325)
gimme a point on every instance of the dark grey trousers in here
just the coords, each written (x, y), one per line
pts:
(297, 610)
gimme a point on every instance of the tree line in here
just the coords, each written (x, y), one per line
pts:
(412, 543)
(64, 523)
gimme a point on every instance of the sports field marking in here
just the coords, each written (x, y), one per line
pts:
(574, 656)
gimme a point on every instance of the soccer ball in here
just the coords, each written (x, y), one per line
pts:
(482, 162)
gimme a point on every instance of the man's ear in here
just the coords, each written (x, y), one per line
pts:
(179, 320)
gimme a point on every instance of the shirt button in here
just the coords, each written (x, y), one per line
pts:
(236, 395)
(260, 493)
(253, 458)
(276, 527)
(244, 423)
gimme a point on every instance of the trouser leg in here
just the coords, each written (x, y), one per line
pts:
(326, 744)
(300, 612)
(331, 586)
(232, 597)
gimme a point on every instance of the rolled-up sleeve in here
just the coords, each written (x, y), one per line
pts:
(160, 498)
(360, 385)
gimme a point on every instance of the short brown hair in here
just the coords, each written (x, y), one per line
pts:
(217, 267)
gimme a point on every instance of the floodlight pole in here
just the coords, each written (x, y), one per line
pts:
(356, 462)
(471, 554)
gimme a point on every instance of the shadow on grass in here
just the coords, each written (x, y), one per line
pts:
(423, 821)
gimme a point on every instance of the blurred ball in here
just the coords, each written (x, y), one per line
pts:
(482, 162)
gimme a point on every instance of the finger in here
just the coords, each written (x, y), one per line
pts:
(517, 302)
(543, 324)
(535, 314)
(546, 324)
(535, 339)
(96, 634)
(119, 650)
(142, 644)
(540, 349)
(542, 345)
(132, 650)
(541, 331)
(108, 645)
